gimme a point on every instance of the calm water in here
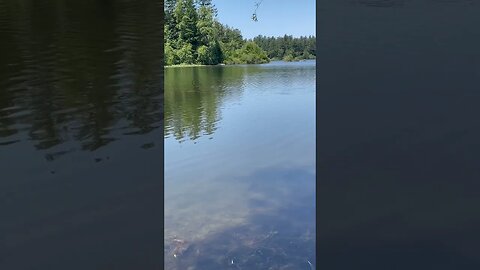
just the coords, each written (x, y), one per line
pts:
(80, 134)
(240, 166)
(398, 134)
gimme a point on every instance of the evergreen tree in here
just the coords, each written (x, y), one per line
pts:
(208, 4)
(205, 24)
(186, 18)
(185, 54)
(287, 47)
(194, 36)
(209, 51)
(170, 22)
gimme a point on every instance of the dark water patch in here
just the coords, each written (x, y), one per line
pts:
(9, 142)
(468, 2)
(381, 3)
(55, 155)
(72, 75)
(410, 3)
(148, 145)
(397, 166)
(63, 78)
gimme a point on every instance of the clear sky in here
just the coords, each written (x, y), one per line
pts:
(275, 17)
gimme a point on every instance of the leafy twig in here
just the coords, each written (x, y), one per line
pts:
(254, 16)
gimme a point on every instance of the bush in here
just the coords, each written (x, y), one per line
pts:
(185, 54)
(288, 58)
(250, 53)
(203, 55)
(170, 57)
(209, 55)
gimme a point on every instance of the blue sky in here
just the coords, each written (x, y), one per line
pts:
(275, 17)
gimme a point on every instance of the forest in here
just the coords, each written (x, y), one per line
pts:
(194, 36)
(287, 48)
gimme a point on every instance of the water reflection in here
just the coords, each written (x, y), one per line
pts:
(193, 97)
(239, 167)
(65, 78)
(80, 134)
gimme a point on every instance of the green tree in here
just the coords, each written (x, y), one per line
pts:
(170, 20)
(230, 40)
(171, 57)
(193, 35)
(209, 51)
(250, 53)
(186, 18)
(205, 25)
(185, 54)
(210, 54)
(287, 47)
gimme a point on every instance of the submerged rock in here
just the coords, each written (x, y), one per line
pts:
(180, 247)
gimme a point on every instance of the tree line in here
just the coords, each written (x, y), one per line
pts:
(288, 48)
(193, 35)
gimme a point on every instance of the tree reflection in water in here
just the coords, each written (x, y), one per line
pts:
(70, 78)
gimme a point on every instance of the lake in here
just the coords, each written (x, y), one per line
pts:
(240, 166)
(81, 135)
(398, 105)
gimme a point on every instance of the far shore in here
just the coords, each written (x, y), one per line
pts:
(199, 65)
(189, 65)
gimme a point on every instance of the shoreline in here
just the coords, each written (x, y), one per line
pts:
(200, 65)
(188, 65)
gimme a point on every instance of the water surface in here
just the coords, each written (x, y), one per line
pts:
(240, 166)
(80, 134)
(398, 134)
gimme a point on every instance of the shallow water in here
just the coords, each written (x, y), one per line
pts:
(240, 166)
